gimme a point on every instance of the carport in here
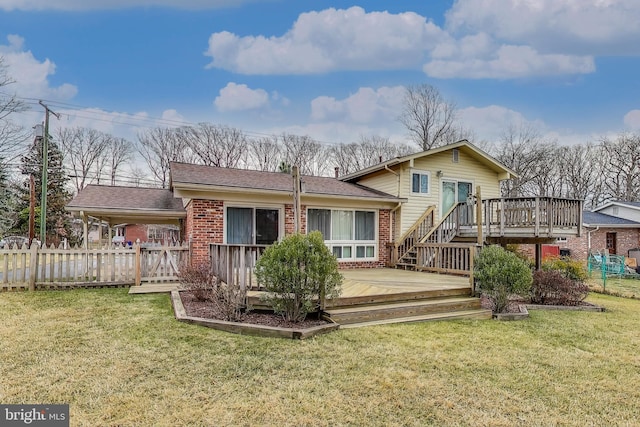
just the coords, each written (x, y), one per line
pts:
(131, 205)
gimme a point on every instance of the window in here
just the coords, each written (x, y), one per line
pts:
(349, 234)
(420, 182)
(252, 226)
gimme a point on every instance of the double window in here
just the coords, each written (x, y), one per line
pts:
(349, 234)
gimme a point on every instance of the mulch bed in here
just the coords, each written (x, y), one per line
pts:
(515, 303)
(204, 309)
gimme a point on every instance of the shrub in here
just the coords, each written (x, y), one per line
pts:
(571, 269)
(298, 273)
(229, 301)
(199, 279)
(501, 273)
(553, 287)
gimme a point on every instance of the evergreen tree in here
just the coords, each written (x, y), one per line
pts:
(58, 221)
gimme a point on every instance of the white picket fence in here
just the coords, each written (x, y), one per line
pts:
(58, 268)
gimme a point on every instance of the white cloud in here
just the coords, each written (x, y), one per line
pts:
(76, 5)
(366, 106)
(505, 62)
(591, 27)
(632, 119)
(332, 39)
(239, 97)
(32, 76)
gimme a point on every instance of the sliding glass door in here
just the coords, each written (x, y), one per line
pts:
(252, 226)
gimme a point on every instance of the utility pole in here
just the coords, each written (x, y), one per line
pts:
(45, 169)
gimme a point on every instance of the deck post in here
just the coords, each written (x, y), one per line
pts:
(479, 215)
(472, 255)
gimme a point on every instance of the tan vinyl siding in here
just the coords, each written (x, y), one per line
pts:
(382, 181)
(467, 169)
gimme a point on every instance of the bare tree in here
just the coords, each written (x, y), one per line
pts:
(367, 152)
(581, 170)
(264, 153)
(213, 145)
(120, 151)
(308, 154)
(428, 117)
(82, 150)
(12, 136)
(523, 150)
(622, 167)
(158, 147)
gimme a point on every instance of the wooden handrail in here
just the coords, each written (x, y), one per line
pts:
(429, 212)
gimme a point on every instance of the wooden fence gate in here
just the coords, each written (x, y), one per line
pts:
(32, 268)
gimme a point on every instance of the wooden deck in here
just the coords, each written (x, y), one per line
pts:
(384, 295)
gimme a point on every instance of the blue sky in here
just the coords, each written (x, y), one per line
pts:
(333, 70)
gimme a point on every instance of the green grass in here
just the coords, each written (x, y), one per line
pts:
(628, 288)
(121, 359)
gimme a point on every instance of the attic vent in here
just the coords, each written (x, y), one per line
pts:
(615, 210)
(455, 155)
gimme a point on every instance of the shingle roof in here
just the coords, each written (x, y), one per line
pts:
(634, 204)
(597, 218)
(129, 198)
(183, 173)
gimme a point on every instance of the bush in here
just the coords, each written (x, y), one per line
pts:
(553, 287)
(229, 301)
(298, 273)
(573, 270)
(199, 279)
(501, 273)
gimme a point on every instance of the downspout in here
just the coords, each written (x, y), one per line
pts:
(589, 238)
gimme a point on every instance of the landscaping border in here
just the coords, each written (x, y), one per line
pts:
(524, 310)
(247, 328)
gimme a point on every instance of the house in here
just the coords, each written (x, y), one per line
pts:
(395, 213)
(154, 233)
(620, 209)
(603, 231)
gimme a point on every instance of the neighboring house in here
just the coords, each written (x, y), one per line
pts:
(601, 231)
(626, 210)
(382, 215)
(164, 234)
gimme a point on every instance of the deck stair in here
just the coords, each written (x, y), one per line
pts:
(424, 231)
(407, 307)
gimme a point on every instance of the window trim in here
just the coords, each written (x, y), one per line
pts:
(352, 243)
(421, 173)
(253, 207)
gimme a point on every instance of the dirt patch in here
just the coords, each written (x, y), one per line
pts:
(515, 304)
(203, 309)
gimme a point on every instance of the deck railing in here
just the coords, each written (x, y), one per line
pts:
(540, 216)
(448, 258)
(413, 235)
(234, 264)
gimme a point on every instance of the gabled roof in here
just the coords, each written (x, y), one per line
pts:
(597, 219)
(128, 204)
(632, 205)
(463, 145)
(199, 177)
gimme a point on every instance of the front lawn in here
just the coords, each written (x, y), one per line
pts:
(122, 359)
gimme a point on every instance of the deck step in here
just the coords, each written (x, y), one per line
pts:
(368, 313)
(255, 301)
(479, 314)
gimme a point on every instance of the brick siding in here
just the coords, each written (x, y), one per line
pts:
(626, 238)
(204, 225)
